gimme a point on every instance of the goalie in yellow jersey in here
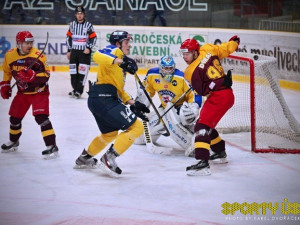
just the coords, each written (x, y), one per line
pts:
(107, 100)
(170, 85)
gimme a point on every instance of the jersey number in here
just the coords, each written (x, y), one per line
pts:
(215, 71)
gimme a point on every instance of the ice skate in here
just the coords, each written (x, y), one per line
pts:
(10, 147)
(85, 161)
(219, 158)
(202, 168)
(71, 94)
(51, 152)
(77, 95)
(108, 164)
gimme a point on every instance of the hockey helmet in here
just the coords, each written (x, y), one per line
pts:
(79, 9)
(167, 68)
(189, 45)
(23, 36)
(119, 36)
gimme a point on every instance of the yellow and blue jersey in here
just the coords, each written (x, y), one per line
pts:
(110, 73)
(168, 91)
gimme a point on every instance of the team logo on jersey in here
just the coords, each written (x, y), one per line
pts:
(21, 61)
(174, 83)
(157, 81)
(166, 95)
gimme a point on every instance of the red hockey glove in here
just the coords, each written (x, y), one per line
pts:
(28, 76)
(235, 38)
(5, 89)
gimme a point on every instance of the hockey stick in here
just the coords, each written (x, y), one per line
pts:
(152, 104)
(181, 97)
(31, 65)
(150, 146)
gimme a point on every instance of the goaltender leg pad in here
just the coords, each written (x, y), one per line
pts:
(180, 134)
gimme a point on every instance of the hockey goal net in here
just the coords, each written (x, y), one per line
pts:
(260, 108)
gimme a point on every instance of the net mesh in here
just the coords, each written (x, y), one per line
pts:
(276, 127)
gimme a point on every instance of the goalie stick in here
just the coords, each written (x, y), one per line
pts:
(174, 103)
(152, 104)
(31, 65)
(150, 146)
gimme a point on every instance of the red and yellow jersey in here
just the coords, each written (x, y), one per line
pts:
(13, 63)
(206, 72)
(110, 73)
(168, 91)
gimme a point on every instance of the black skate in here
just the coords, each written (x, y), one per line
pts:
(108, 164)
(51, 152)
(77, 95)
(85, 161)
(202, 168)
(219, 158)
(71, 94)
(10, 147)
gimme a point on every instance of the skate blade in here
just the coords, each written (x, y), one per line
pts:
(202, 172)
(219, 161)
(13, 149)
(106, 170)
(53, 155)
(84, 167)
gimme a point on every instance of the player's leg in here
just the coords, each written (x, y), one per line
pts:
(40, 109)
(83, 70)
(202, 146)
(17, 111)
(217, 145)
(132, 128)
(73, 71)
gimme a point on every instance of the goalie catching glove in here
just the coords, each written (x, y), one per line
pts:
(129, 65)
(188, 113)
(139, 109)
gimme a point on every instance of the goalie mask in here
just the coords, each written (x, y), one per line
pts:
(167, 68)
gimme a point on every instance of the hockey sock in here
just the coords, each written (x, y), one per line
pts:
(100, 142)
(202, 141)
(216, 144)
(46, 129)
(126, 138)
(15, 129)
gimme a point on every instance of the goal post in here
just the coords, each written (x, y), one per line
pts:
(260, 107)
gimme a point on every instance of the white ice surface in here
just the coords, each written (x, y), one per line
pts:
(153, 189)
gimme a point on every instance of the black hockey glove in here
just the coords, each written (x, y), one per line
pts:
(129, 65)
(228, 79)
(139, 109)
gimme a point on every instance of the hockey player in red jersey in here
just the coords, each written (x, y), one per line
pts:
(33, 91)
(207, 77)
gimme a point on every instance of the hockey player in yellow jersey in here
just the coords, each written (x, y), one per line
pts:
(169, 83)
(33, 90)
(107, 100)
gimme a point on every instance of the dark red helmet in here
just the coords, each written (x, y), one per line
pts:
(189, 45)
(23, 36)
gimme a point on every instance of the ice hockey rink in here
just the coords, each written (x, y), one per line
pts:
(152, 190)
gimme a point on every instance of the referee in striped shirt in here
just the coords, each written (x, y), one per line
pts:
(81, 38)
